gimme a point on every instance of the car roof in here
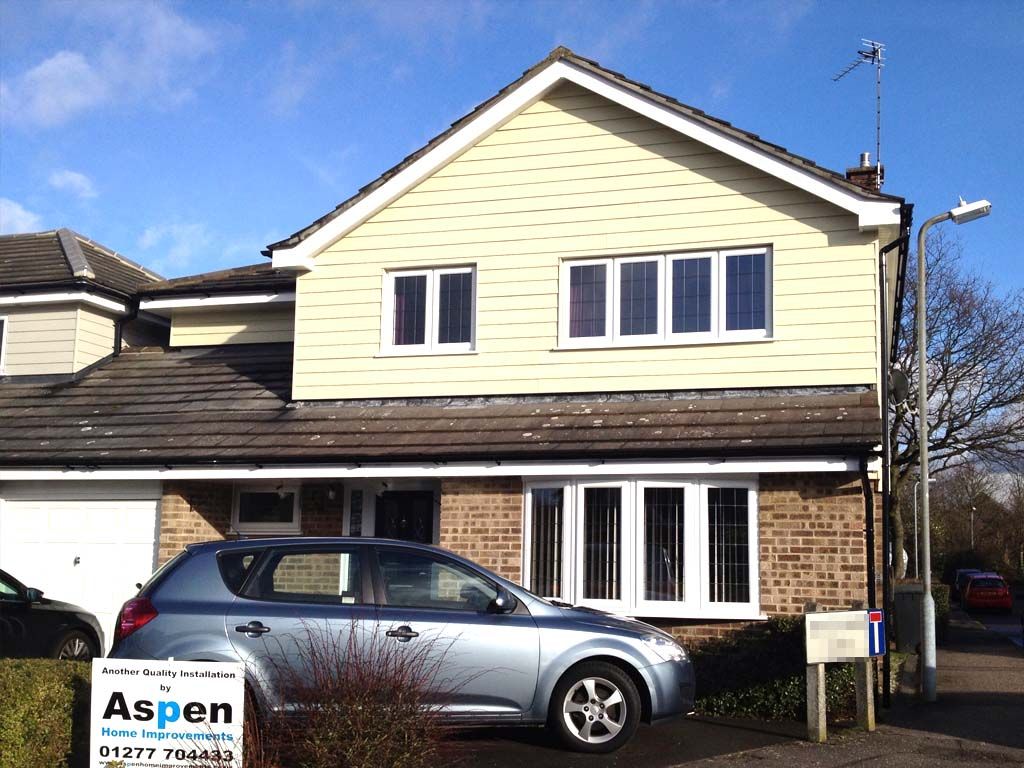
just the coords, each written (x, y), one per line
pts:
(300, 541)
(985, 575)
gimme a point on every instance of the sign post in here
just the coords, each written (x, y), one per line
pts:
(842, 636)
(166, 714)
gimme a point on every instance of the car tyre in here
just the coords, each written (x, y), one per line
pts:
(75, 645)
(594, 708)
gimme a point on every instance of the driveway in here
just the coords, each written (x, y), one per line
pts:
(659, 746)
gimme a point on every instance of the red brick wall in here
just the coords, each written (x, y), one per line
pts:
(482, 519)
(192, 511)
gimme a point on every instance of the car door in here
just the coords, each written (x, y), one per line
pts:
(299, 604)
(483, 664)
(14, 614)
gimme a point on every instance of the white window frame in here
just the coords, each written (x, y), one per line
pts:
(4, 324)
(696, 604)
(294, 527)
(665, 336)
(431, 345)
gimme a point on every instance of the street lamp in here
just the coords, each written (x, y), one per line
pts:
(917, 548)
(973, 510)
(960, 215)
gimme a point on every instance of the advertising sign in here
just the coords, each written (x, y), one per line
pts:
(166, 714)
(844, 636)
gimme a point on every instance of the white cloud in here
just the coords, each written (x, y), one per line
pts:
(293, 79)
(76, 183)
(176, 246)
(15, 219)
(143, 52)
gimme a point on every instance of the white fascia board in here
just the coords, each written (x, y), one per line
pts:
(871, 213)
(229, 300)
(432, 470)
(64, 298)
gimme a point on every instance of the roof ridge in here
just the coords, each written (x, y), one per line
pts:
(112, 253)
(73, 254)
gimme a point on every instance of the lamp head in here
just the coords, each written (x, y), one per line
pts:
(970, 211)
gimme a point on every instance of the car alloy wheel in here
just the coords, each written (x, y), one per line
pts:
(595, 707)
(75, 647)
(594, 710)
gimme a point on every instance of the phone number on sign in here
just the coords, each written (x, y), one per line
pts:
(150, 753)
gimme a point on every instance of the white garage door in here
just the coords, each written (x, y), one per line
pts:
(82, 543)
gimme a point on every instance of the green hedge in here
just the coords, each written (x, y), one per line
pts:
(761, 673)
(44, 713)
(940, 594)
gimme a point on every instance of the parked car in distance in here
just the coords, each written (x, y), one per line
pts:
(35, 626)
(960, 577)
(987, 591)
(519, 659)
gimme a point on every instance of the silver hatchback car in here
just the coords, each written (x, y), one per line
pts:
(521, 659)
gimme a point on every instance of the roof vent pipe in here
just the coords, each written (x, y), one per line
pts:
(865, 159)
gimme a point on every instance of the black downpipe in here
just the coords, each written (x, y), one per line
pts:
(869, 531)
(119, 326)
(887, 599)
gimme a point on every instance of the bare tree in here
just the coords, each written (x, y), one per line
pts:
(975, 374)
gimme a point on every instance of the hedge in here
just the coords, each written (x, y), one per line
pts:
(44, 713)
(761, 673)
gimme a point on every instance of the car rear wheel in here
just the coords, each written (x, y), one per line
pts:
(75, 646)
(595, 708)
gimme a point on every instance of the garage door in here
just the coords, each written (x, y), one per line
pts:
(83, 543)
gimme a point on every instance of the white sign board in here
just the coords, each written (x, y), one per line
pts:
(844, 636)
(166, 714)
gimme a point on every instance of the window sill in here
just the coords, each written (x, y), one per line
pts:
(604, 344)
(419, 352)
(737, 614)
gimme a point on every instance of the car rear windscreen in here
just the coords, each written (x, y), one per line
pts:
(987, 583)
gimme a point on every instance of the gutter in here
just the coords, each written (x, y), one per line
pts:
(82, 284)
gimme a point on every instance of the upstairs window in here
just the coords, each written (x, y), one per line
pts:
(429, 311)
(667, 299)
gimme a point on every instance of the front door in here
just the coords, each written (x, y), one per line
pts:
(406, 515)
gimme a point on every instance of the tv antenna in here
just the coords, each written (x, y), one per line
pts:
(872, 53)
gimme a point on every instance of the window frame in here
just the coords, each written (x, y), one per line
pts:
(5, 322)
(717, 334)
(431, 345)
(292, 528)
(696, 605)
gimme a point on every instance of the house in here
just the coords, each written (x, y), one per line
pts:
(599, 341)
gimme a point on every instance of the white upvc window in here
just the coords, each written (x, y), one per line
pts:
(266, 508)
(429, 311)
(663, 299)
(3, 344)
(669, 548)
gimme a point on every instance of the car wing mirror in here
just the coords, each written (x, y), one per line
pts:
(33, 595)
(503, 602)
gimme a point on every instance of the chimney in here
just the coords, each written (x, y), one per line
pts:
(867, 174)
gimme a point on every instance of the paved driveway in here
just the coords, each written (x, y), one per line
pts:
(667, 744)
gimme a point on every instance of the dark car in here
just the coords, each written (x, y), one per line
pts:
(960, 579)
(34, 626)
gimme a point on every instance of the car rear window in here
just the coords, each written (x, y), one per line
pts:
(987, 583)
(235, 568)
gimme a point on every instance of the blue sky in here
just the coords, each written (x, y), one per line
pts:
(188, 135)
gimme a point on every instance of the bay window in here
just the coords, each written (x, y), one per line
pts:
(672, 548)
(666, 298)
(429, 311)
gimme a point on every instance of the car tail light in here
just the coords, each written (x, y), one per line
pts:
(136, 613)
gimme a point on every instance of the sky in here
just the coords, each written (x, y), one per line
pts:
(189, 135)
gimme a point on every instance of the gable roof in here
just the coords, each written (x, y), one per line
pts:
(874, 208)
(63, 258)
(250, 278)
(230, 405)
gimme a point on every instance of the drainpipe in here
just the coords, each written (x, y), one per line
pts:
(119, 325)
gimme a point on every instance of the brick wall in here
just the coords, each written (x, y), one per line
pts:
(482, 519)
(192, 511)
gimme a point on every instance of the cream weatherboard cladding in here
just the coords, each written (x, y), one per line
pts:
(94, 337)
(575, 175)
(40, 339)
(251, 324)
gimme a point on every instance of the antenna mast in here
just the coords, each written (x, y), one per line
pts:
(874, 55)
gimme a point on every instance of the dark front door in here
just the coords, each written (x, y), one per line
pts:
(406, 515)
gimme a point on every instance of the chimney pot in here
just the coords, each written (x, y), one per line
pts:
(865, 159)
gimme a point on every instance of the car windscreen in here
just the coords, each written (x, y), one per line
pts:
(987, 583)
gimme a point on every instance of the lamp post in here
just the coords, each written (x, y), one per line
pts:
(960, 215)
(973, 510)
(917, 548)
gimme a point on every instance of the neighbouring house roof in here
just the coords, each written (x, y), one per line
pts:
(251, 278)
(225, 405)
(564, 54)
(63, 258)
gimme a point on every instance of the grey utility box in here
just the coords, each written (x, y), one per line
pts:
(909, 598)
